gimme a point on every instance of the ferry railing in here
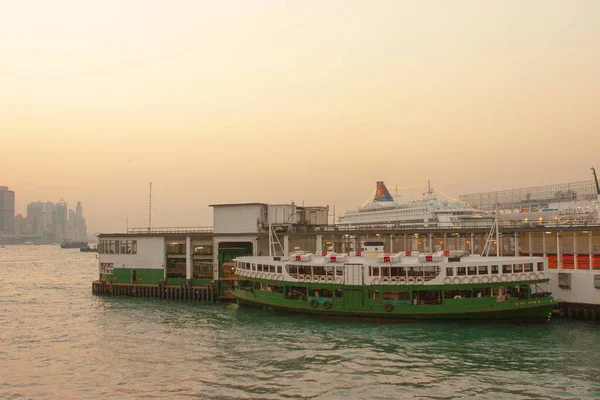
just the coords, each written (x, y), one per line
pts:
(160, 230)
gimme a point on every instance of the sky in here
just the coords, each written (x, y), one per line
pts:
(274, 101)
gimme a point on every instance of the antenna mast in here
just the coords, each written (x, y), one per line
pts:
(596, 180)
(150, 209)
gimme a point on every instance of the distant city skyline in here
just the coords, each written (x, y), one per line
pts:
(272, 101)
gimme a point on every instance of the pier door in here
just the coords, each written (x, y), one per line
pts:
(353, 274)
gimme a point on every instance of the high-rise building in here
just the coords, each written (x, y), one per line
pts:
(19, 224)
(33, 223)
(60, 224)
(7, 210)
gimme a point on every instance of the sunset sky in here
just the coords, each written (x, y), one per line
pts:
(273, 101)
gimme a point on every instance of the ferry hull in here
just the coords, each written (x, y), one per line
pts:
(533, 310)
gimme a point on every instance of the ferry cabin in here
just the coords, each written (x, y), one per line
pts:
(402, 285)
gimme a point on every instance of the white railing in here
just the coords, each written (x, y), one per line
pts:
(191, 229)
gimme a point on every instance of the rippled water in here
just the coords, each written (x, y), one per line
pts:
(59, 341)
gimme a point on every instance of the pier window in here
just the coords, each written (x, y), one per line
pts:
(107, 268)
(494, 269)
(507, 268)
(203, 250)
(176, 268)
(134, 247)
(461, 271)
(540, 266)
(483, 270)
(176, 248)
(528, 267)
(472, 270)
(202, 270)
(449, 271)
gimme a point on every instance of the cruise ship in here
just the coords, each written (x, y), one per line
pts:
(384, 211)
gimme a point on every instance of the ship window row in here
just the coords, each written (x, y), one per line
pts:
(427, 272)
(260, 267)
(107, 268)
(117, 246)
(494, 269)
(314, 270)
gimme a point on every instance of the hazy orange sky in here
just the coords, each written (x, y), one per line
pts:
(234, 101)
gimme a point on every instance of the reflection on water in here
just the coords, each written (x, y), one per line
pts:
(59, 340)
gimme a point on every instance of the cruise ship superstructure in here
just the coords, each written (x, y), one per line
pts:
(384, 211)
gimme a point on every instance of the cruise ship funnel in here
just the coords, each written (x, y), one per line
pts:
(382, 193)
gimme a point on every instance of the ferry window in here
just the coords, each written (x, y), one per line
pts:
(518, 268)
(327, 293)
(295, 293)
(494, 269)
(339, 271)
(385, 271)
(277, 289)
(528, 267)
(430, 272)
(271, 268)
(338, 292)
(318, 270)
(506, 268)
(540, 266)
(134, 247)
(483, 270)
(128, 246)
(253, 267)
(374, 294)
(460, 271)
(374, 271)
(472, 270)
(396, 271)
(279, 269)
(449, 271)
(291, 269)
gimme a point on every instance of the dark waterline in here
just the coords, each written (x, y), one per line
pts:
(59, 341)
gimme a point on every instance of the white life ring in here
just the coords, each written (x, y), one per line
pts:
(532, 276)
(447, 280)
(402, 280)
(523, 277)
(541, 275)
(465, 280)
(504, 278)
(263, 276)
(485, 279)
(375, 281)
(419, 281)
(475, 279)
(280, 278)
(385, 280)
(300, 278)
(329, 279)
(322, 279)
(394, 281)
(494, 278)
(410, 280)
(514, 278)
(338, 281)
(456, 280)
(315, 279)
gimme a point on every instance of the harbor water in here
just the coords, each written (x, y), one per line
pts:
(57, 340)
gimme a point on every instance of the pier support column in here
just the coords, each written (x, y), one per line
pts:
(590, 249)
(391, 243)
(286, 245)
(319, 247)
(457, 242)
(558, 252)
(516, 244)
(188, 257)
(444, 241)
(575, 249)
(406, 242)
(354, 244)
(530, 245)
(472, 247)
(544, 244)
(431, 243)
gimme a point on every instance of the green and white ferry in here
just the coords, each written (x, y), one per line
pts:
(398, 286)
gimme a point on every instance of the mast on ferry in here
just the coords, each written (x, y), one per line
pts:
(596, 181)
